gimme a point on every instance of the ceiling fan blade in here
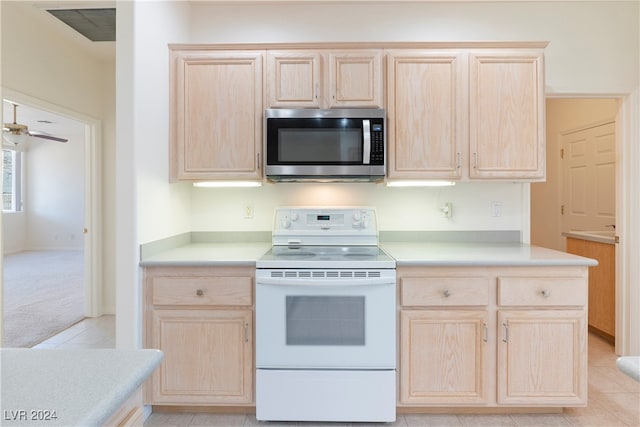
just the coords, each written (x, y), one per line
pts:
(44, 135)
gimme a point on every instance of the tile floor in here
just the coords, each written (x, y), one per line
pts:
(99, 332)
(614, 398)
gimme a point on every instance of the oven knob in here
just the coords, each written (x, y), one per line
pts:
(286, 223)
(294, 216)
(357, 216)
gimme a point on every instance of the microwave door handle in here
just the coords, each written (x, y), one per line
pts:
(366, 137)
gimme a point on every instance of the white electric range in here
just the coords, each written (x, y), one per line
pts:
(325, 319)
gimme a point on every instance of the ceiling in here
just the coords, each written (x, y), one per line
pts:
(39, 12)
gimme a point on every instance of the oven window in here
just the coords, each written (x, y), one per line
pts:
(325, 320)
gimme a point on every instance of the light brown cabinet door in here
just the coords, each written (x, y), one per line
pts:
(208, 356)
(355, 79)
(541, 358)
(506, 114)
(426, 114)
(602, 284)
(443, 357)
(293, 79)
(324, 78)
(217, 109)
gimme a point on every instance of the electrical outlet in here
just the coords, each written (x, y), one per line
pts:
(248, 210)
(496, 209)
(447, 210)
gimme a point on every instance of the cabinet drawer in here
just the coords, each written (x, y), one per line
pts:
(444, 291)
(202, 291)
(542, 291)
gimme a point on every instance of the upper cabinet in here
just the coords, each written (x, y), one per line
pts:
(324, 78)
(466, 114)
(506, 120)
(216, 114)
(426, 113)
(455, 111)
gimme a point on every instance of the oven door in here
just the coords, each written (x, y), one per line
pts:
(325, 323)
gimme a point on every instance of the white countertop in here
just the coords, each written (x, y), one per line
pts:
(210, 254)
(608, 237)
(412, 253)
(82, 387)
(480, 254)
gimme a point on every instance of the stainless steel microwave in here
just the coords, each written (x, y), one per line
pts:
(325, 145)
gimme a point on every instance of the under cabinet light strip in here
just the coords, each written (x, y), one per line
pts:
(410, 183)
(227, 184)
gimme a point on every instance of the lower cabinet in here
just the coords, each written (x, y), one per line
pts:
(444, 358)
(542, 358)
(469, 336)
(129, 414)
(202, 319)
(492, 336)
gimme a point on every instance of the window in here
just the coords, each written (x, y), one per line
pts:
(11, 181)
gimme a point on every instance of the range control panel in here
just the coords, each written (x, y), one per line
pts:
(325, 226)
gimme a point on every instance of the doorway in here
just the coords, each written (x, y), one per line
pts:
(59, 213)
(581, 187)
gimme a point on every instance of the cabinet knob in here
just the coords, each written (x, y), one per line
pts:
(446, 293)
(199, 292)
(546, 293)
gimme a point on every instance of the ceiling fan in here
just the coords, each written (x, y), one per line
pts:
(17, 133)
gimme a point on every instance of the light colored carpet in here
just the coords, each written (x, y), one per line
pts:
(43, 295)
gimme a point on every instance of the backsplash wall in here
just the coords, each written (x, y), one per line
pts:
(223, 209)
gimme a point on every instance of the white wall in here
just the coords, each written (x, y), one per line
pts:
(147, 207)
(52, 215)
(14, 231)
(51, 69)
(54, 193)
(39, 62)
(593, 49)
(594, 46)
(397, 208)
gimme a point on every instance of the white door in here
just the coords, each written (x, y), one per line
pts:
(588, 178)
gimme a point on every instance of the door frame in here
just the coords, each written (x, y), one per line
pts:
(627, 226)
(92, 196)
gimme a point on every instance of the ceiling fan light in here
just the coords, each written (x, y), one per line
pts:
(17, 139)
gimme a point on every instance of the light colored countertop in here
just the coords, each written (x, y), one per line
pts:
(630, 365)
(411, 253)
(608, 237)
(209, 254)
(80, 387)
(480, 254)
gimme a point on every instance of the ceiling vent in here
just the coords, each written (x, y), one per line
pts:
(98, 25)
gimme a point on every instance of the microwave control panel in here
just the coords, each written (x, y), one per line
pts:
(377, 142)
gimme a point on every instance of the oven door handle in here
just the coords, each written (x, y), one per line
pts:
(323, 282)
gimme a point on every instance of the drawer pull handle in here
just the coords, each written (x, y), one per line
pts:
(446, 293)
(485, 336)
(199, 292)
(505, 332)
(546, 293)
(246, 332)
